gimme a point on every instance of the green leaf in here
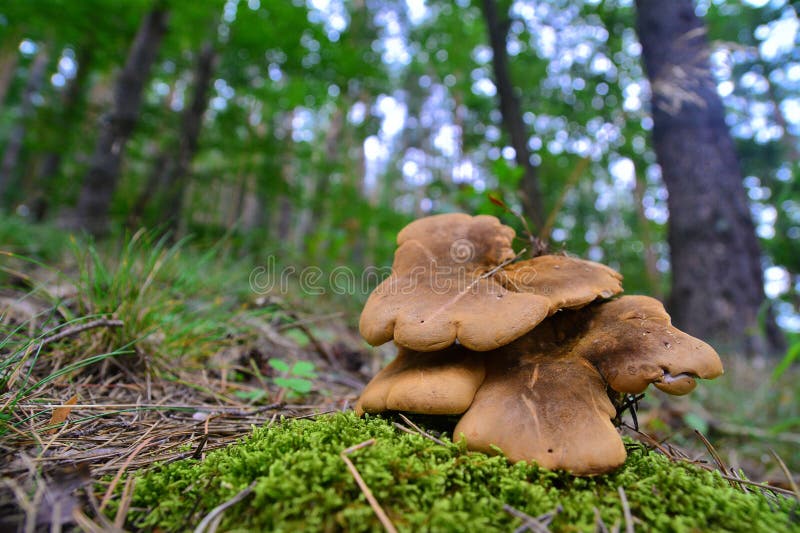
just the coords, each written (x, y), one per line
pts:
(300, 385)
(251, 395)
(297, 336)
(304, 369)
(791, 355)
(279, 365)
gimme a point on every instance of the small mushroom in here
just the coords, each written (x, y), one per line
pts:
(443, 288)
(441, 383)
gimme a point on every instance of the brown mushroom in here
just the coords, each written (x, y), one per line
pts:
(633, 343)
(442, 383)
(544, 398)
(443, 287)
(525, 351)
(552, 410)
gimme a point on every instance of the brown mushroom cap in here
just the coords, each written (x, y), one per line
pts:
(554, 411)
(437, 292)
(440, 289)
(443, 383)
(633, 344)
(544, 398)
(568, 282)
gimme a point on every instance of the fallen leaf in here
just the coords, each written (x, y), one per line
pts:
(60, 414)
(497, 201)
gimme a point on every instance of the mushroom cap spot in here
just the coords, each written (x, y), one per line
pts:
(568, 282)
(633, 343)
(443, 383)
(551, 410)
(438, 293)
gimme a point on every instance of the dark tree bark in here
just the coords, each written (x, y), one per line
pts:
(717, 282)
(116, 128)
(16, 138)
(176, 170)
(497, 26)
(148, 192)
(650, 260)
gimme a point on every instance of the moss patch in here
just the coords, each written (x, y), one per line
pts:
(303, 485)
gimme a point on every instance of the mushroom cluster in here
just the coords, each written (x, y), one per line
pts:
(529, 353)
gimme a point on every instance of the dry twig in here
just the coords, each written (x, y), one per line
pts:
(599, 524)
(219, 509)
(80, 328)
(537, 524)
(789, 477)
(387, 524)
(121, 471)
(421, 431)
(715, 455)
(626, 510)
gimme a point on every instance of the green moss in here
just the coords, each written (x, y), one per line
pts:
(303, 485)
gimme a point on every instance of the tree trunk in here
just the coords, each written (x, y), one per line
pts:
(69, 120)
(9, 59)
(177, 169)
(497, 28)
(717, 282)
(148, 192)
(116, 128)
(16, 138)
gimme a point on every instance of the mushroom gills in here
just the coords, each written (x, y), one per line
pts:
(678, 384)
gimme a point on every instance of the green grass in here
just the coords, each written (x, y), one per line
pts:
(177, 307)
(302, 484)
(165, 296)
(44, 242)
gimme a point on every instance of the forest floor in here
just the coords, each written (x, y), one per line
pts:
(113, 360)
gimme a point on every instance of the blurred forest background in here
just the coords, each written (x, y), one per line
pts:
(313, 130)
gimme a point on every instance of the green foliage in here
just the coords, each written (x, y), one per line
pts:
(295, 379)
(37, 242)
(750, 410)
(302, 484)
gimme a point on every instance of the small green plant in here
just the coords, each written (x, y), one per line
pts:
(296, 380)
